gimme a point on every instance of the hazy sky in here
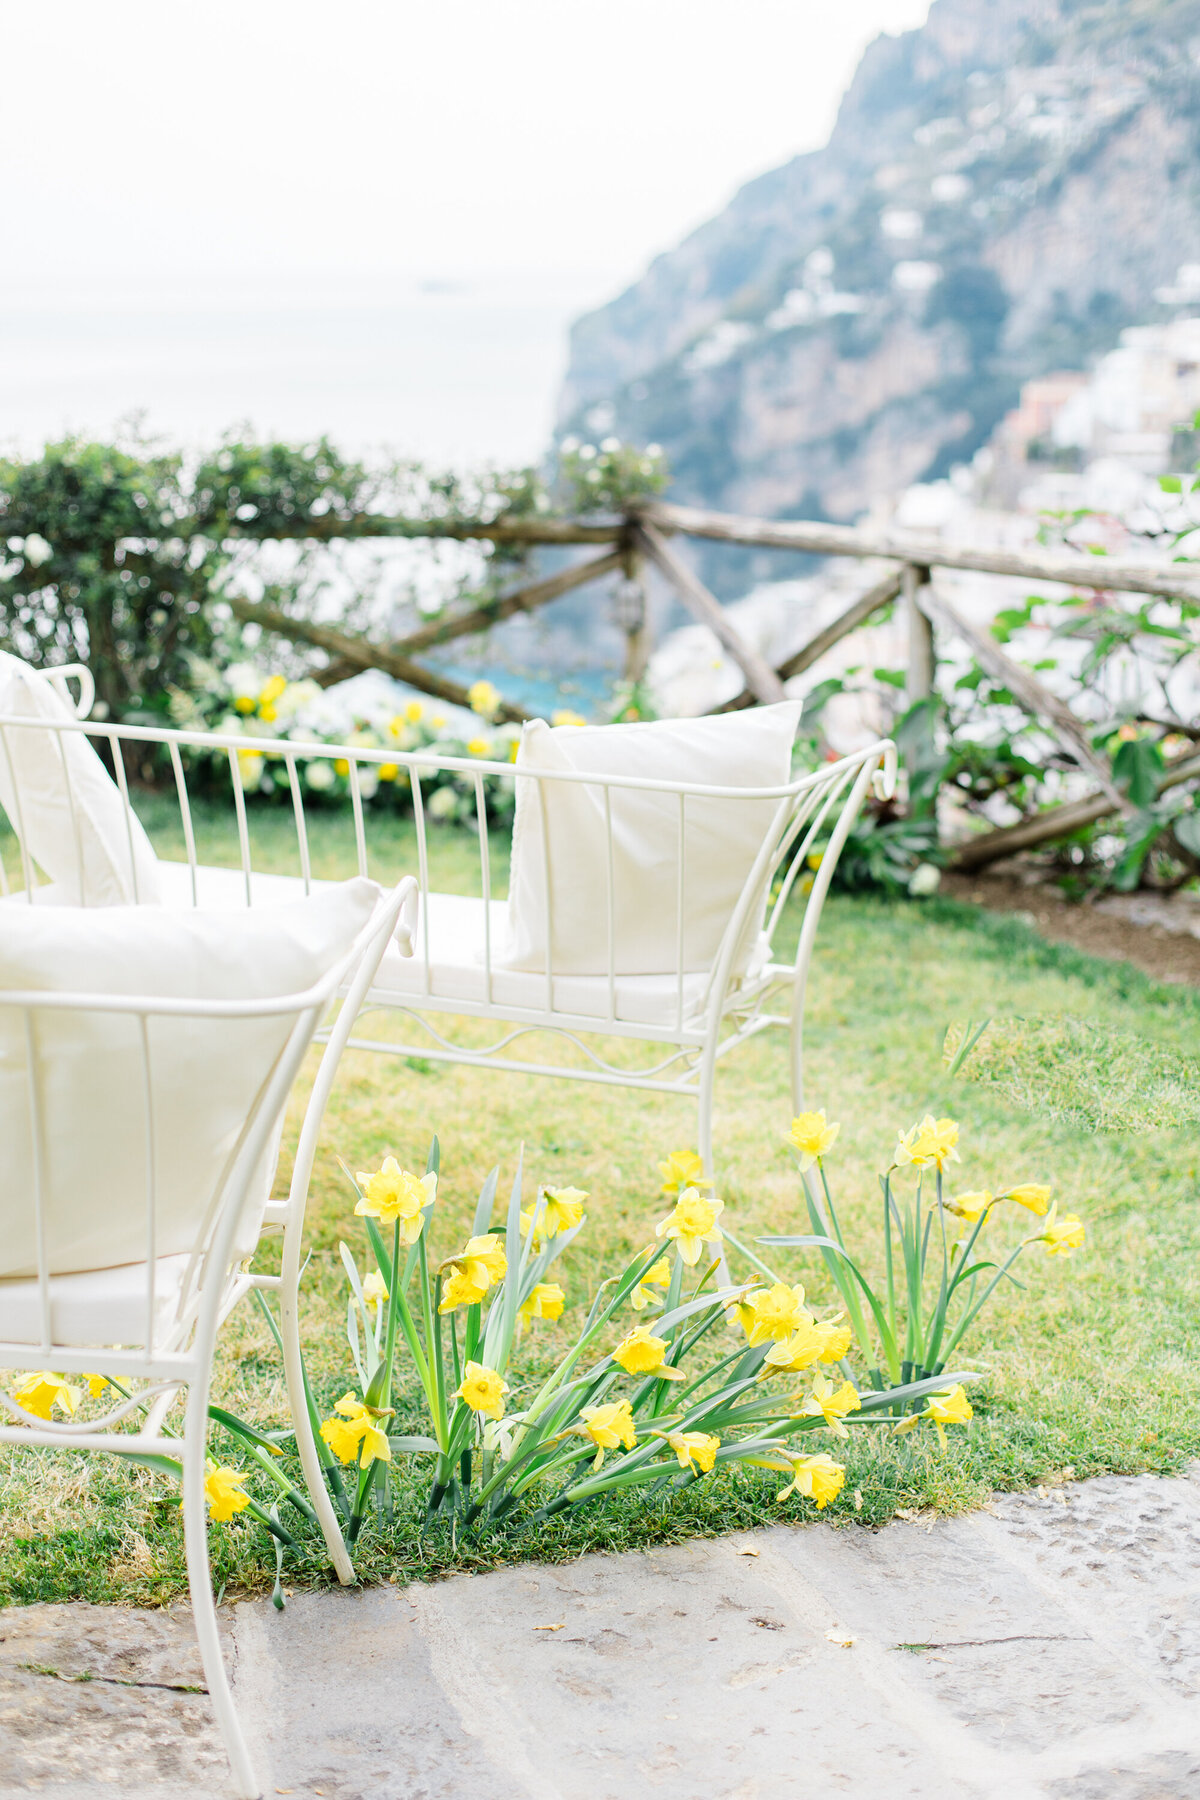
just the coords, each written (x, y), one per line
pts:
(149, 139)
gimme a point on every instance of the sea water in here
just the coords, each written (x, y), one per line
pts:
(450, 372)
(454, 373)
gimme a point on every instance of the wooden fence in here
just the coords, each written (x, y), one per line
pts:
(643, 537)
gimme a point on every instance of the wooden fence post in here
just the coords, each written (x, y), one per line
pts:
(921, 652)
(632, 612)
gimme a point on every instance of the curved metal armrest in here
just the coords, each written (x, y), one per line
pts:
(883, 782)
(405, 933)
(87, 686)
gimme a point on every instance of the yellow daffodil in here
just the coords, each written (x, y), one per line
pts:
(931, 1144)
(483, 1390)
(357, 1430)
(811, 1138)
(40, 1392)
(223, 1491)
(830, 1403)
(245, 703)
(836, 1339)
(388, 771)
(557, 1209)
(641, 1353)
(608, 1426)
(682, 1169)
(818, 1477)
(949, 1407)
(414, 712)
(341, 765)
(375, 1290)
(268, 695)
(473, 1272)
(795, 1353)
(563, 1209)
(479, 746)
(971, 1206)
(692, 1224)
(395, 1197)
(483, 698)
(96, 1385)
(545, 1301)
(695, 1449)
(1034, 1198)
(657, 1275)
(772, 1313)
(1061, 1236)
(564, 716)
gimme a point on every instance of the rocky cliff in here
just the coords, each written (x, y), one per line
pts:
(1004, 189)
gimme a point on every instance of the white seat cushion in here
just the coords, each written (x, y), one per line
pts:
(102, 1306)
(456, 968)
(62, 802)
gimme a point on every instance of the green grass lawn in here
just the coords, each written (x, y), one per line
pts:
(1089, 1368)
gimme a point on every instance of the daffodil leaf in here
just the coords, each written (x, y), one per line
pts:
(163, 1465)
(871, 1400)
(414, 1446)
(240, 1428)
(487, 1200)
(721, 1299)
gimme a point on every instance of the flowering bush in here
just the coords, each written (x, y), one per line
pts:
(244, 702)
(610, 475)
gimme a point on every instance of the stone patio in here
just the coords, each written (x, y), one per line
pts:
(1045, 1648)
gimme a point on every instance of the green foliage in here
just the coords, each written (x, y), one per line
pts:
(610, 476)
(114, 552)
(102, 568)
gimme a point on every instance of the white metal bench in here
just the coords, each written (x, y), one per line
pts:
(693, 1012)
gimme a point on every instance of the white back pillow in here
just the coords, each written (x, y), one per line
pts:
(64, 806)
(721, 840)
(205, 1072)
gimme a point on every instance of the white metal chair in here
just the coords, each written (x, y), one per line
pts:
(151, 1324)
(695, 1015)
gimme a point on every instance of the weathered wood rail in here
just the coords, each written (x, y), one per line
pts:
(642, 538)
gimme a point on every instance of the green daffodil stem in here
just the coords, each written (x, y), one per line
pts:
(844, 1282)
(379, 1392)
(625, 1286)
(744, 1250)
(366, 1479)
(435, 1382)
(969, 1318)
(272, 1524)
(833, 1218)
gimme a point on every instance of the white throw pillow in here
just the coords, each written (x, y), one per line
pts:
(64, 804)
(205, 1072)
(722, 837)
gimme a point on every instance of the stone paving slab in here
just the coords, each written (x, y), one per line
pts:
(1045, 1648)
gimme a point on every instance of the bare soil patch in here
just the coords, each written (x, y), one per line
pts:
(1170, 955)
